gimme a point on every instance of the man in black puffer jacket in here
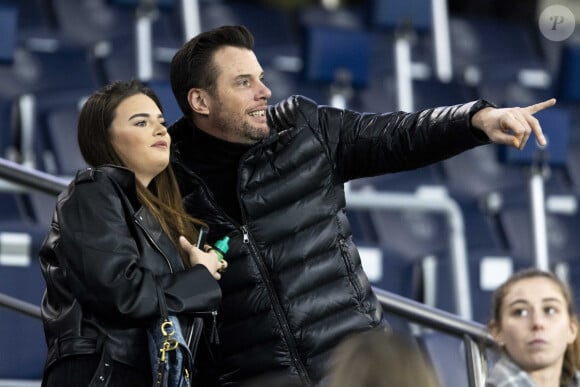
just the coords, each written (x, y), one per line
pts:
(271, 177)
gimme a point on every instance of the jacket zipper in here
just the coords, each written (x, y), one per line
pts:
(246, 239)
(346, 257)
(277, 307)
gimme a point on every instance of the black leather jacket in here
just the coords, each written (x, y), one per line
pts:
(295, 285)
(103, 259)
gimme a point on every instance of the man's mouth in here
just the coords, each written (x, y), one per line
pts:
(258, 113)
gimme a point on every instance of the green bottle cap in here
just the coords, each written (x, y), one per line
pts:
(221, 247)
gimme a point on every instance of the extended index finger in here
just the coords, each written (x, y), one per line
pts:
(533, 109)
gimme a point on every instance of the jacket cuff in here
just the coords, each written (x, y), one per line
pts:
(475, 107)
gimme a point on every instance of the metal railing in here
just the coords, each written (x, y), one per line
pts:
(473, 334)
(442, 204)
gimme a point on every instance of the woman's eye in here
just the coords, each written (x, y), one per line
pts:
(550, 310)
(520, 312)
(140, 123)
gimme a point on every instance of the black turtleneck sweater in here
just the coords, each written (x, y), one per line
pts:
(216, 162)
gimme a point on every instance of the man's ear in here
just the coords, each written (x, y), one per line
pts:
(198, 101)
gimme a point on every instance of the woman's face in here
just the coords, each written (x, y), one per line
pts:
(535, 326)
(140, 138)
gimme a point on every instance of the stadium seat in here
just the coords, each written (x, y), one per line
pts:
(492, 50)
(403, 181)
(60, 141)
(562, 233)
(389, 18)
(6, 128)
(568, 82)
(22, 344)
(171, 111)
(324, 60)
(338, 69)
(413, 234)
(477, 173)
(447, 355)
(37, 27)
(88, 23)
(488, 267)
(8, 28)
(573, 166)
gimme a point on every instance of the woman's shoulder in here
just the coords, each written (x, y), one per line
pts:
(102, 173)
(505, 373)
(104, 181)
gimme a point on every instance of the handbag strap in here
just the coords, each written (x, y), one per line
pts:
(162, 303)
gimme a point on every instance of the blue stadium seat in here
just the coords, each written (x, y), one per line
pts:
(496, 49)
(60, 141)
(391, 20)
(278, 37)
(87, 23)
(121, 62)
(286, 83)
(573, 166)
(413, 234)
(12, 207)
(403, 181)
(8, 28)
(488, 267)
(393, 14)
(324, 59)
(171, 111)
(37, 27)
(562, 233)
(22, 344)
(568, 82)
(477, 173)
(53, 80)
(447, 355)
(432, 93)
(6, 128)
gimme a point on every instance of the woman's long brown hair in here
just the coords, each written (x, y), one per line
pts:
(162, 198)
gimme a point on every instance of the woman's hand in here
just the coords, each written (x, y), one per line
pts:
(207, 258)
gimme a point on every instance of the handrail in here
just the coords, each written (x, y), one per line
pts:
(370, 199)
(20, 306)
(473, 334)
(31, 178)
(432, 317)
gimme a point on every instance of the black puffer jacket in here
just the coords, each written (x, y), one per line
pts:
(295, 286)
(103, 260)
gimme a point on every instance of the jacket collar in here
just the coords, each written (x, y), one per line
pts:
(126, 180)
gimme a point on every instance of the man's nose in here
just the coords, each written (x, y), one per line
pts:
(264, 91)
